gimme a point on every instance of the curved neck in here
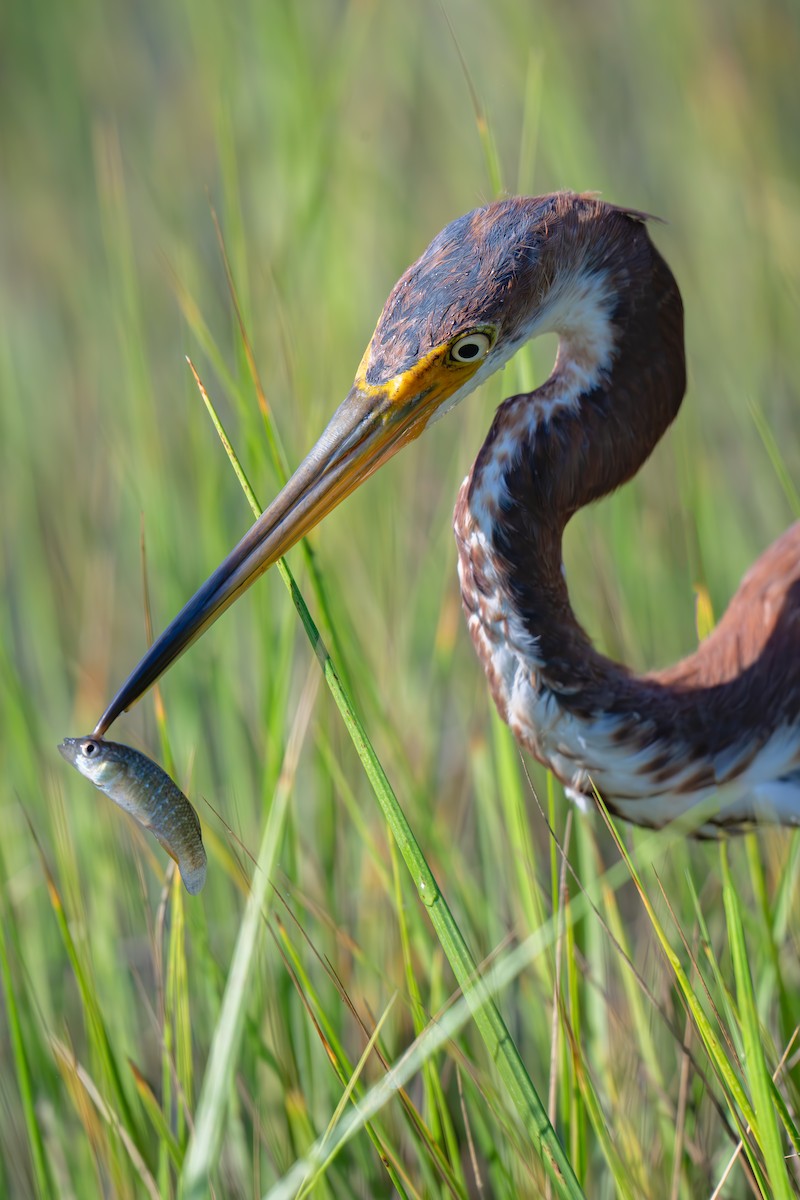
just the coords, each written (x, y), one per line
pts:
(617, 384)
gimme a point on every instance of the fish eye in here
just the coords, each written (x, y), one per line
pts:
(89, 748)
(471, 347)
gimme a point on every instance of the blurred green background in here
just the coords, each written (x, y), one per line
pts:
(333, 140)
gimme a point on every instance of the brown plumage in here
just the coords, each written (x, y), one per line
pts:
(722, 727)
(652, 745)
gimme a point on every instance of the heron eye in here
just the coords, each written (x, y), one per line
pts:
(471, 348)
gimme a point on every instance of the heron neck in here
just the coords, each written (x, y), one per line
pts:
(617, 384)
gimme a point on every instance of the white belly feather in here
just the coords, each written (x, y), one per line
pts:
(587, 753)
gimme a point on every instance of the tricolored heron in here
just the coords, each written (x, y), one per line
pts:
(725, 721)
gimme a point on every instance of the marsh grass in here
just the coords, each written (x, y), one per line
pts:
(649, 983)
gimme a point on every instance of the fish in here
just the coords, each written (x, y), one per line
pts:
(143, 789)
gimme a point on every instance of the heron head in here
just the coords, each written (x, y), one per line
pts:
(462, 309)
(455, 316)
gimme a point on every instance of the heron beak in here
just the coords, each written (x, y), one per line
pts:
(367, 429)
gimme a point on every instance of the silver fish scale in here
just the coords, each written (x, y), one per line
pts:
(139, 786)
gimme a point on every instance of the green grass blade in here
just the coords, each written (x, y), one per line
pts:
(127, 1121)
(499, 1043)
(157, 1119)
(341, 1064)
(19, 1050)
(114, 1120)
(764, 1122)
(345, 1099)
(713, 1046)
(436, 1104)
(483, 127)
(206, 1139)
(776, 458)
(625, 1186)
